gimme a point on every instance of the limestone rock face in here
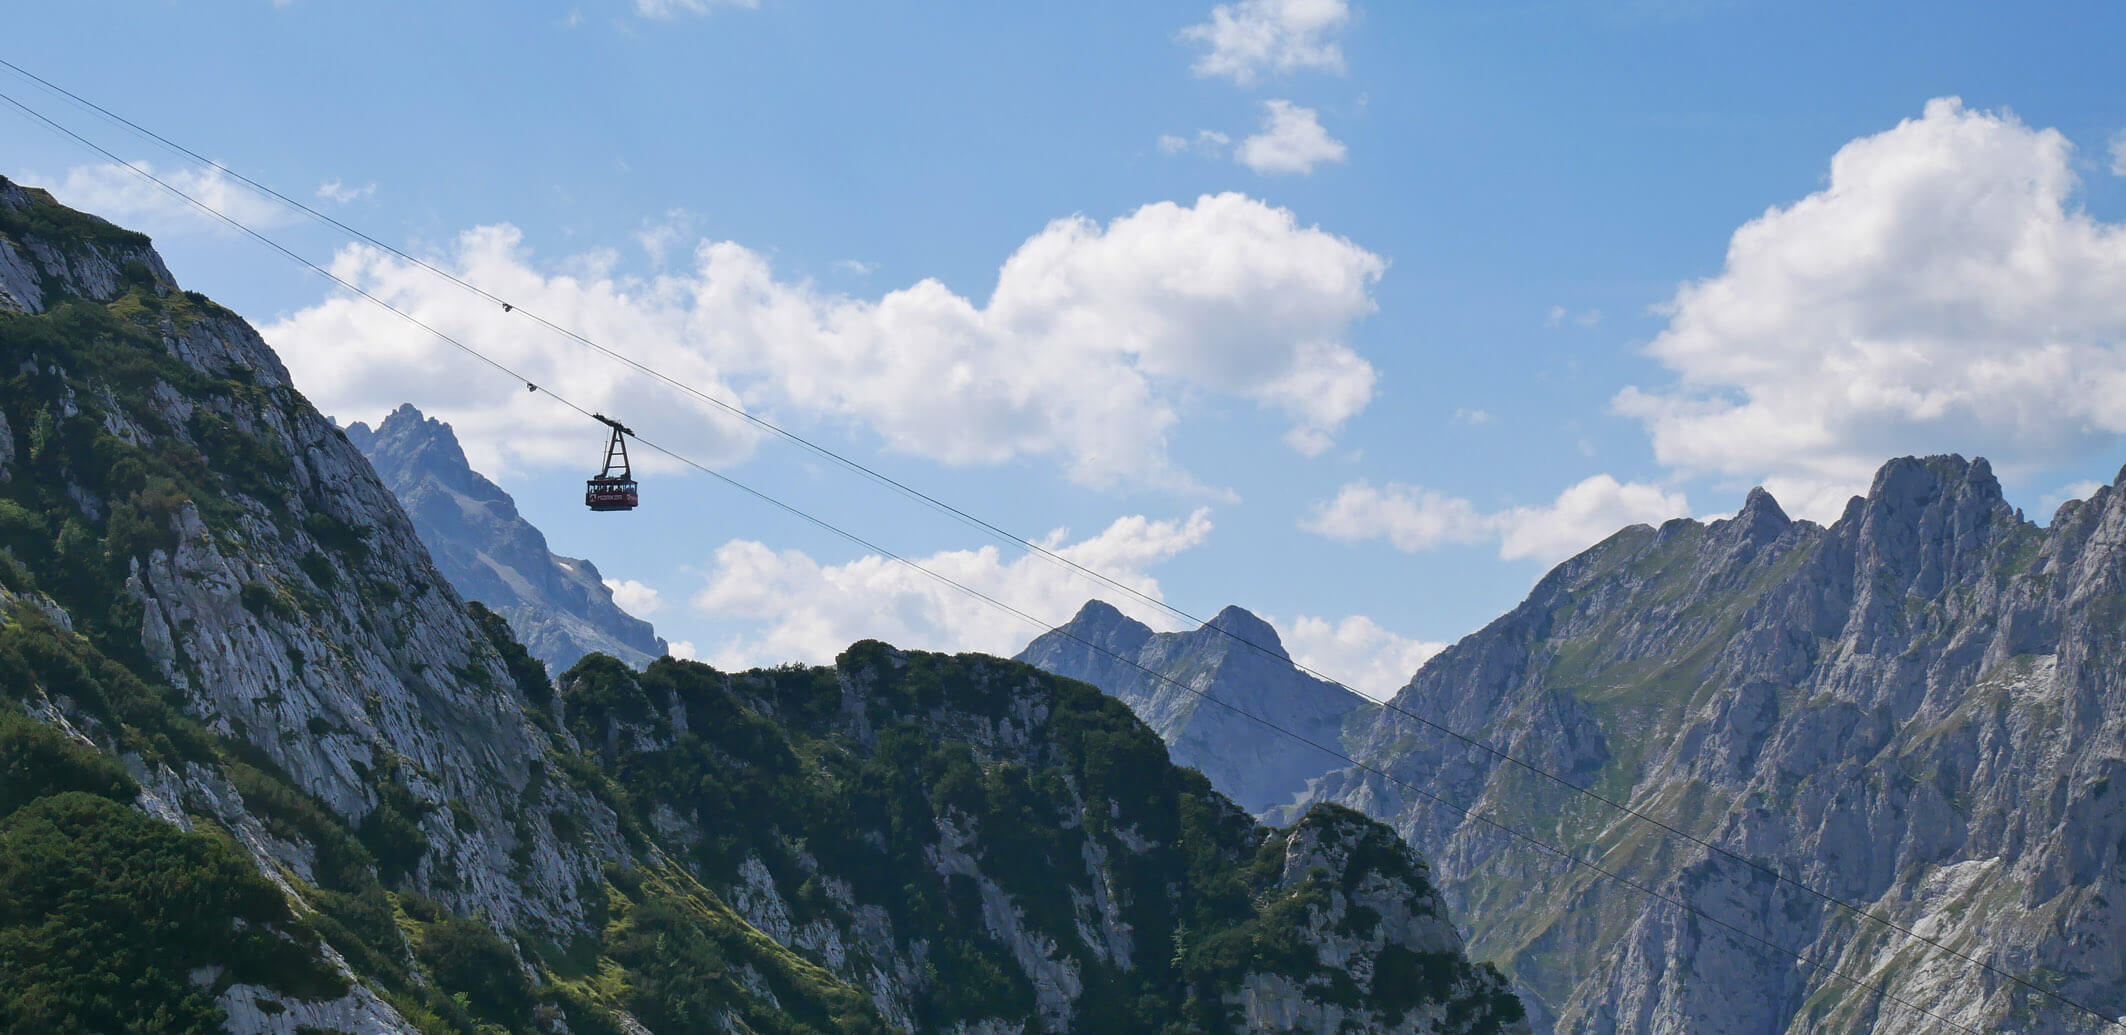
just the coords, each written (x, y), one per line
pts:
(1920, 710)
(299, 611)
(1194, 687)
(202, 578)
(559, 607)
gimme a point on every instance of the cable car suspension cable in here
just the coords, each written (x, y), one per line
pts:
(1571, 858)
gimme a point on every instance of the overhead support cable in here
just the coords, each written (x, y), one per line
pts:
(1855, 911)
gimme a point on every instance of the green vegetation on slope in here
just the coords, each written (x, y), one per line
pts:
(894, 779)
(106, 912)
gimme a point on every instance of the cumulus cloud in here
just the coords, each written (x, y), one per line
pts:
(1358, 653)
(1207, 142)
(1941, 292)
(799, 609)
(636, 598)
(339, 193)
(1241, 41)
(1414, 519)
(122, 195)
(1291, 141)
(1090, 342)
(675, 8)
(356, 359)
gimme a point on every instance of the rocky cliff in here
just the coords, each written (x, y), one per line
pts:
(559, 607)
(263, 769)
(1176, 681)
(1920, 709)
(982, 846)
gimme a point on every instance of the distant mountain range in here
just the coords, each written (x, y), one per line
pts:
(1192, 687)
(558, 606)
(1919, 710)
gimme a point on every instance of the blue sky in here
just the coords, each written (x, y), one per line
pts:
(1356, 314)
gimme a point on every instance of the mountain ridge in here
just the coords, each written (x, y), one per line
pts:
(1758, 663)
(1724, 677)
(1188, 685)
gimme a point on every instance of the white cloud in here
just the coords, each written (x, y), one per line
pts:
(1410, 518)
(1414, 519)
(339, 193)
(1085, 352)
(1243, 40)
(1291, 141)
(1472, 418)
(1358, 653)
(680, 649)
(1559, 315)
(355, 359)
(802, 610)
(636, 598)
(1942, 292)
(854, 268)
(1207, 142)
(1582, 516)
(2118, 153)
(675, 8)
(122, 195)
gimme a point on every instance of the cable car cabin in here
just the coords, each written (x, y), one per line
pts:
(614, 487)
(610, 494)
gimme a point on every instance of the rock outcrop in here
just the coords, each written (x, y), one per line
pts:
(1919, 710)
(559, 607)
(1199, 690)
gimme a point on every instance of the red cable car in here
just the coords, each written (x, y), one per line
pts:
(614, 487)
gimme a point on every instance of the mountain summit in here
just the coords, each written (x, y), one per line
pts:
(1199, 689)
(558, 606)
(1919, 709)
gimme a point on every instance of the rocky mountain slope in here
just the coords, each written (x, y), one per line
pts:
(983, 846)
(559, 607)
(1920, 709)
(1173, 681)
(263, 769)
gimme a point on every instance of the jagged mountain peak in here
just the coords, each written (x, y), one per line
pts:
(1760, 510)
(1244, 632)
(407, 440)
(1928, 681)
(1100, 617)
(1181, 684)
